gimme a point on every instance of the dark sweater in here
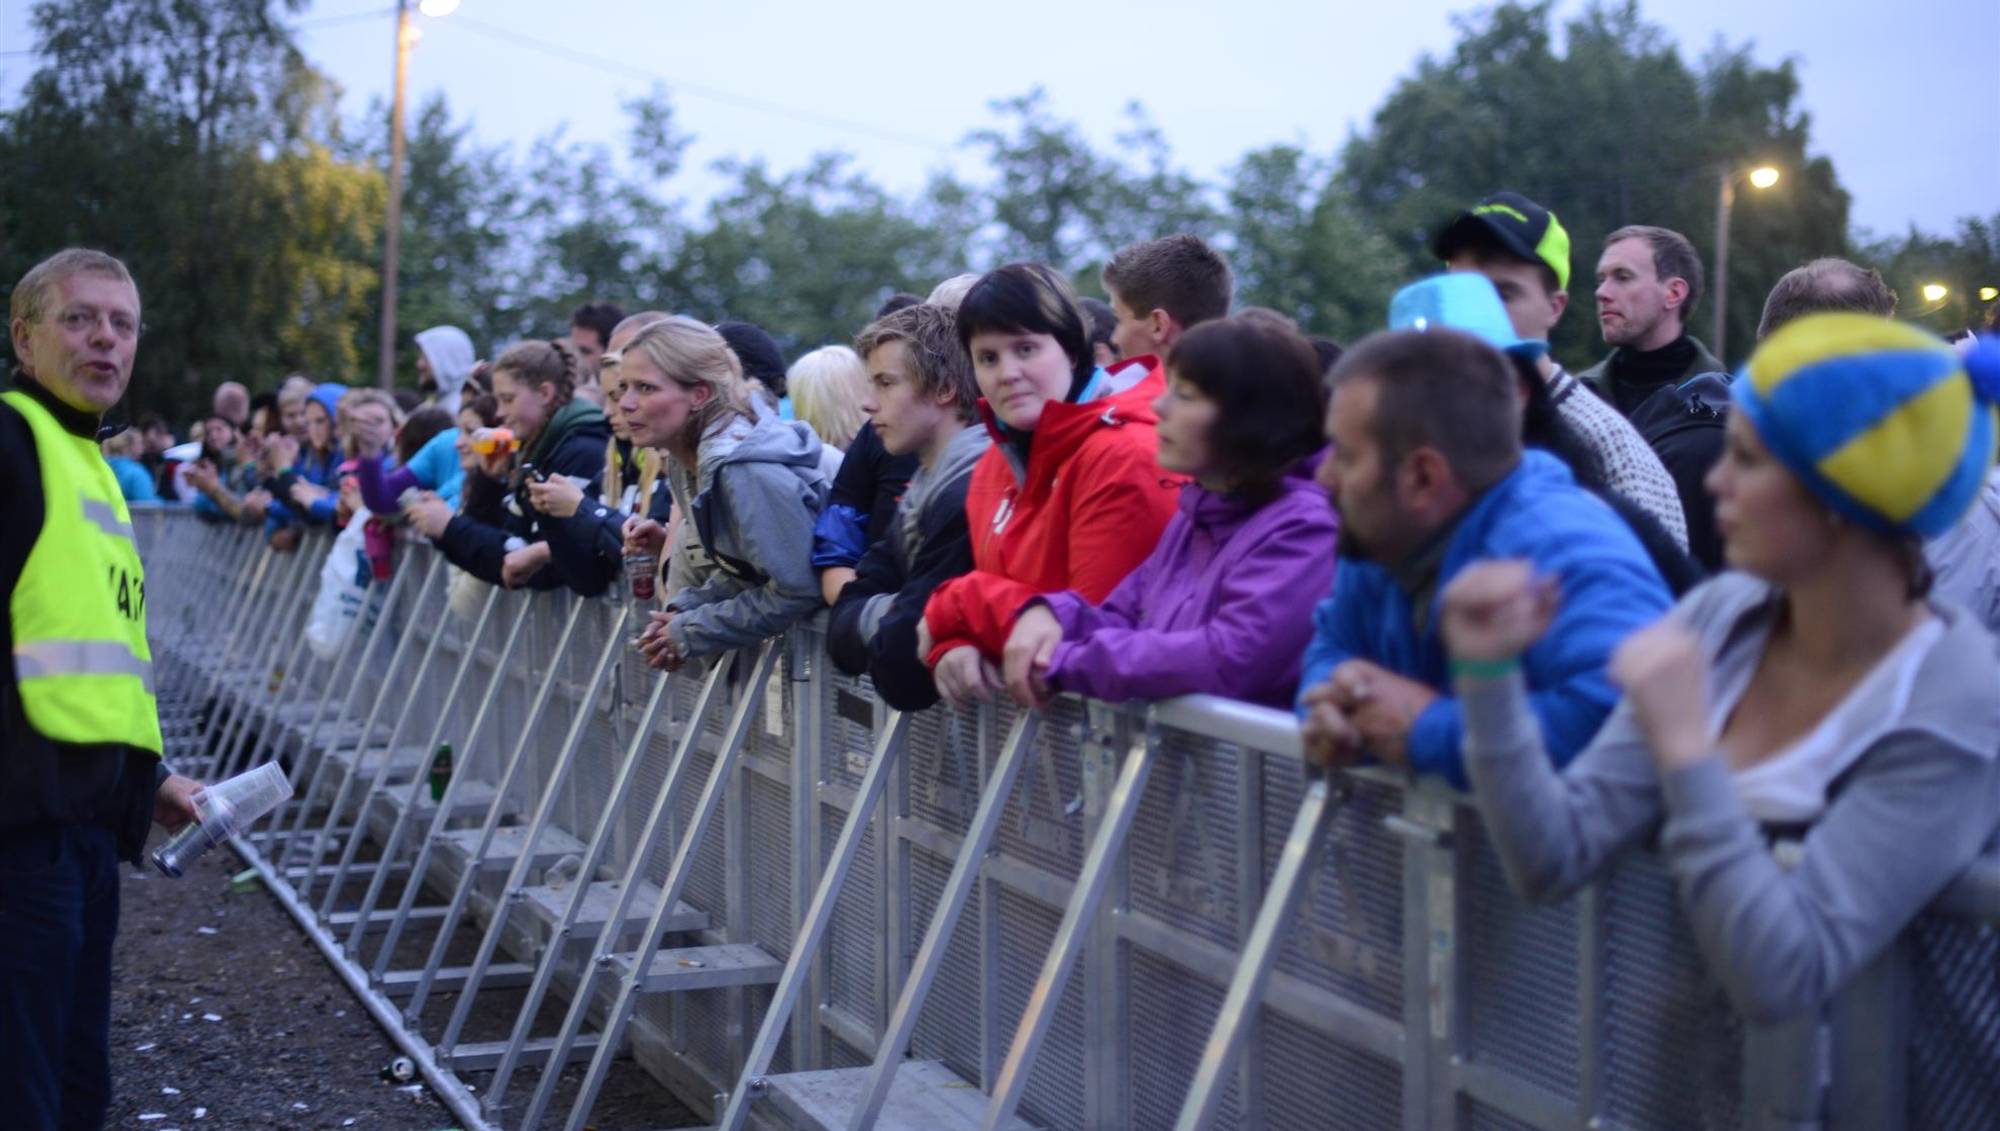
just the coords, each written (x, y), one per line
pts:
(42, 781)
(492, 511)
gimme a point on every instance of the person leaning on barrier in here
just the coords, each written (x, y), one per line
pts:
(1223, 604)
(1810, 693)
(1469, 302)
(497, 536)
(80, 772)
(1429, 475)
(1069, 496)
(922, 402)
(1524, 251)
(1965, 560)
(586, 531)
(758, 489)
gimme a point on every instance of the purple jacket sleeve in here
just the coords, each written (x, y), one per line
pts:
(379, 490)
(1249, 649)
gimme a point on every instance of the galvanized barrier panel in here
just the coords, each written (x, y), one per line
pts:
(1111, 961)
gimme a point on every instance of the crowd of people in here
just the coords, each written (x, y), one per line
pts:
(1649, 601)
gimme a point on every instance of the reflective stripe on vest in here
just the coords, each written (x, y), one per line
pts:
(45, 658)
(78, 612)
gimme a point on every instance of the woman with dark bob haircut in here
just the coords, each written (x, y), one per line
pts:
(1224, 603)
(1069, 497)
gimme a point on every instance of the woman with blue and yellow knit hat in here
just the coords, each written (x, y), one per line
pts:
(1811, 687)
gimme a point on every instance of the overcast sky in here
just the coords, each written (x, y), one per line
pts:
(1902, 96)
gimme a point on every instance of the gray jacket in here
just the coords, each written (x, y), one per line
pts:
(758, 490)
(1918, 804)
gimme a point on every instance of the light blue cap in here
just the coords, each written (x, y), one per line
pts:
(1464, 301)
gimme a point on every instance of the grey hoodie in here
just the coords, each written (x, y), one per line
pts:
(758, 490)
(1917, 804)
(450, 352)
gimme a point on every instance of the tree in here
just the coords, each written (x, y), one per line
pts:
(1298, 245)
(807, 255)
(1616, 129)
(194, 141)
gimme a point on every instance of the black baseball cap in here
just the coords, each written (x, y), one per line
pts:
(1518, 224)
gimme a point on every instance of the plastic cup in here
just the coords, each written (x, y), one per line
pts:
(225, 809)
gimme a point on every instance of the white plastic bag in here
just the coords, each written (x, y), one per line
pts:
(343, 589)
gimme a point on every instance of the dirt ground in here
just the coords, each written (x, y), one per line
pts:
(224, 1016)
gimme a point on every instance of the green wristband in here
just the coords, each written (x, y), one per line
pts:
(1485, 669)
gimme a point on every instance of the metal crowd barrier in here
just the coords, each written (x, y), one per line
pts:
(796, 908)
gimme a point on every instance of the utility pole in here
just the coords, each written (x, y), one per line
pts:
(393, 236)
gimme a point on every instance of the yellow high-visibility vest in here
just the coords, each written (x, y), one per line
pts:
(79, 611)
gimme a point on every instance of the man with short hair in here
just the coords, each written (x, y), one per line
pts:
(80, 774)
(1524, 251)
(1648, 282)
(1824, 285)
(1661, 377)
(1429, 476)
(232, 403)
(922, 401)
(1158, 290)
(591, 325)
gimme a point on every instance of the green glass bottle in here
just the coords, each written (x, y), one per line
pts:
(440, 771)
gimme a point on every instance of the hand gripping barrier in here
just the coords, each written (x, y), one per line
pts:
(793, 908)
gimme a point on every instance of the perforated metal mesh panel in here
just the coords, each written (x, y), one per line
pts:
(944, 760)
(1168, 1021)
(1955, 1051)
(1519, 990)
(1349, 935)
(1314, 1083)
(1054, 1096)
(770, 863)
(1043, 822)
(1474, 1116)
(1662, 1008)
(854, 938)
(948, 1027)
(1183, 843)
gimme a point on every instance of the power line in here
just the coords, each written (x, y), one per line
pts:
(713, 94)
(185, 37)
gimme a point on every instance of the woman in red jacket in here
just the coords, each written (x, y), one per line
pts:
(1069, 496)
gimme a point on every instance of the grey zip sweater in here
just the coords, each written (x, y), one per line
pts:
(758, 491)
(1916, 806)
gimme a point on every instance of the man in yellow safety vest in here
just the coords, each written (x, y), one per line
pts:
(80, 773)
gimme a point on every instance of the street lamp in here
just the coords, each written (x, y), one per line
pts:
(392, 243)
(1934, 292)
(1988, 294)
(1761, 177)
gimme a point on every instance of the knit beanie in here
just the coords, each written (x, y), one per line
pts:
(1883, 422)
(757, 351)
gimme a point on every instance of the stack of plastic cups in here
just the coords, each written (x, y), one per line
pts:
(225, 809)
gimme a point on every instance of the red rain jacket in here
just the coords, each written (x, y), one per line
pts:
(1088, 508)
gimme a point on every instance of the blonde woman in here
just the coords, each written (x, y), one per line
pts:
(827, 387)
(756, 489)
(586, 532)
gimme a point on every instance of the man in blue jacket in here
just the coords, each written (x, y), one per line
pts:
(1429, 476)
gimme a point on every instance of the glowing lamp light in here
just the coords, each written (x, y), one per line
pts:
(1934, 292)
(1763, 177)
(1988, 294)
(437, 8)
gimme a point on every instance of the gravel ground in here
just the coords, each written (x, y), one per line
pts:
(225, 1016)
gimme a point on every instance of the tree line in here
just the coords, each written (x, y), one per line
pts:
(198, 142)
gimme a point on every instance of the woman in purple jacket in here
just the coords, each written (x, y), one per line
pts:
(1224, 604)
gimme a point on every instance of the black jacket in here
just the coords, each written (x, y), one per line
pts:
(587, 549)
(902, 568)
(491, 512)
(1686, 425)
(42, 781)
